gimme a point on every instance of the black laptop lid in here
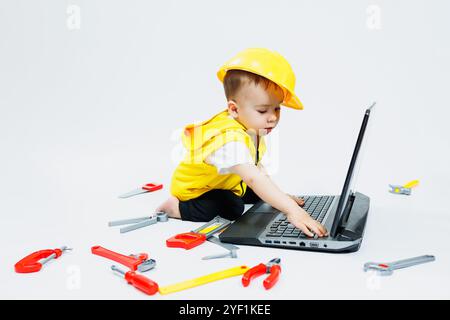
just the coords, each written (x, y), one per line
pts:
(346, 191)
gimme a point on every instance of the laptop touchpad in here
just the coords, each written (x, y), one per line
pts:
(266, 208)
(248, 227)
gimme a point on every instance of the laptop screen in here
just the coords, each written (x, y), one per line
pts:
(346, 191)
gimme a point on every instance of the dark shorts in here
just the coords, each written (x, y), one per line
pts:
(216, 202)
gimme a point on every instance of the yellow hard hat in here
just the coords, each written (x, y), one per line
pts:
(268, 64)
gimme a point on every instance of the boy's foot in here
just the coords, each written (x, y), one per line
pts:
(170, 206)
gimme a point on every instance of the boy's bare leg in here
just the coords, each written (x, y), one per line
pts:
(170, 206)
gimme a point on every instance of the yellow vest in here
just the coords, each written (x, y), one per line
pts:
(193, 176)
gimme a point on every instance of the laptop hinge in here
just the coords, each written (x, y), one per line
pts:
(354, 218)
(346, 214)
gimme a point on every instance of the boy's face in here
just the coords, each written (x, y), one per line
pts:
(256, 107)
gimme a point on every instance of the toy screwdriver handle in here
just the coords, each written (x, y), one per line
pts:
(142, 283)
(272, 279)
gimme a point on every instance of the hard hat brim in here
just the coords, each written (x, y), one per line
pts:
(294, 102)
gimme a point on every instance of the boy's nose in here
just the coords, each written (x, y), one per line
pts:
(272, 118)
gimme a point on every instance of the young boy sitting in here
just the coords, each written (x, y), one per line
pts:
(221, 170)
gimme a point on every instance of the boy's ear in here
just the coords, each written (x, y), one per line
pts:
(232, 109)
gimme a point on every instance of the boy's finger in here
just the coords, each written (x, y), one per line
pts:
(318, 229)
(323, 229)
(306, 230)
(314, 227)
(298, 200)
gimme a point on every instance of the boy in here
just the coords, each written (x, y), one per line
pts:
(221, 170)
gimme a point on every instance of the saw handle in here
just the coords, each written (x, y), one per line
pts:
(152, 187)
(129, 261)
(186, 240)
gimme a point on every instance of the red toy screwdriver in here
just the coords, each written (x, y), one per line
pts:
(34, 261)
(138, 281)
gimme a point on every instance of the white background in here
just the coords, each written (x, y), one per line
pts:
(94, 110)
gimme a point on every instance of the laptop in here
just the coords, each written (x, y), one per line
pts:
(344, 216)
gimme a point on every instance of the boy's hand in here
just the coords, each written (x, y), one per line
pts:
(270, 193)
(303, 221)
(299, 201)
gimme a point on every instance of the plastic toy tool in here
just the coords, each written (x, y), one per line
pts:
(223, 274)
(405, 189)
(189, 240)
(136, 262)
(272, 268)
(138, 281)
(34, 261)
(137, 223)
(387, 268)
(149, 187)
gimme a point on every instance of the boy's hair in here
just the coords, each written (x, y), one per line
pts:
(235, 79)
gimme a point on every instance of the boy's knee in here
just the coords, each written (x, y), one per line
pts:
(222, 203)
(193, 211)
(232, 209)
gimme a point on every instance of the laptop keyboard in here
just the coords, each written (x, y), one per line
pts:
(316, 206)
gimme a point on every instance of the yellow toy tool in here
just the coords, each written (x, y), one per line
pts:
(236, 271)
(405, 189)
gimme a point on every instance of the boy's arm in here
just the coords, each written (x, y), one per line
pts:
(263, 170)
(270, 193)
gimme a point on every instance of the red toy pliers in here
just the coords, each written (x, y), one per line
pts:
(272, 267)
